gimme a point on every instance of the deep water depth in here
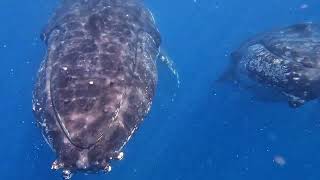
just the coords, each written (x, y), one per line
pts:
(208, 132)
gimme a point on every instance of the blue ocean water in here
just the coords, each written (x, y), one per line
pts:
(205, 131)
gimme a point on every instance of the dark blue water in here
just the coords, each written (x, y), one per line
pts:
(209, 131)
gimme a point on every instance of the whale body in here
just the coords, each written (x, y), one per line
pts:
(285, 60)
(96, 82)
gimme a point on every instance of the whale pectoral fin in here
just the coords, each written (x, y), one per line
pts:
(168, 78)
(295, 102)
(163, 58)
(265, 94)
(230, 75)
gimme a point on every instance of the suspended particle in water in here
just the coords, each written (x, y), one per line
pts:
(304, 6)
(279, 160)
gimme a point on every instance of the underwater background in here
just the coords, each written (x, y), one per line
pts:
(201, 130)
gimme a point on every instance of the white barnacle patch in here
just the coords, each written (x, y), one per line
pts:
(75, 116)
(66, 174)
(296, 78)
(65, 140)
(91, 82)
(72, 134)
(299, 59)
(120, 156)
(33, 107)
(90, 119)
(276, 61)
(107, 168)
(42, 124)
(82, 162)
(65, 68)
(53, 47)
(56, 165)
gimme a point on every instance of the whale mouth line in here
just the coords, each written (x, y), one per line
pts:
(58, 118)
(65, 130)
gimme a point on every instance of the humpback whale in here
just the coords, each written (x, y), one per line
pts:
(96, 82)
(285, 60)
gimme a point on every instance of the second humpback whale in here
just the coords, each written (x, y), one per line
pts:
(96, 82)
(285, 61)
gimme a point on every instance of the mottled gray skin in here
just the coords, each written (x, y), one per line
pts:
(97, 81)
(286, 60)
